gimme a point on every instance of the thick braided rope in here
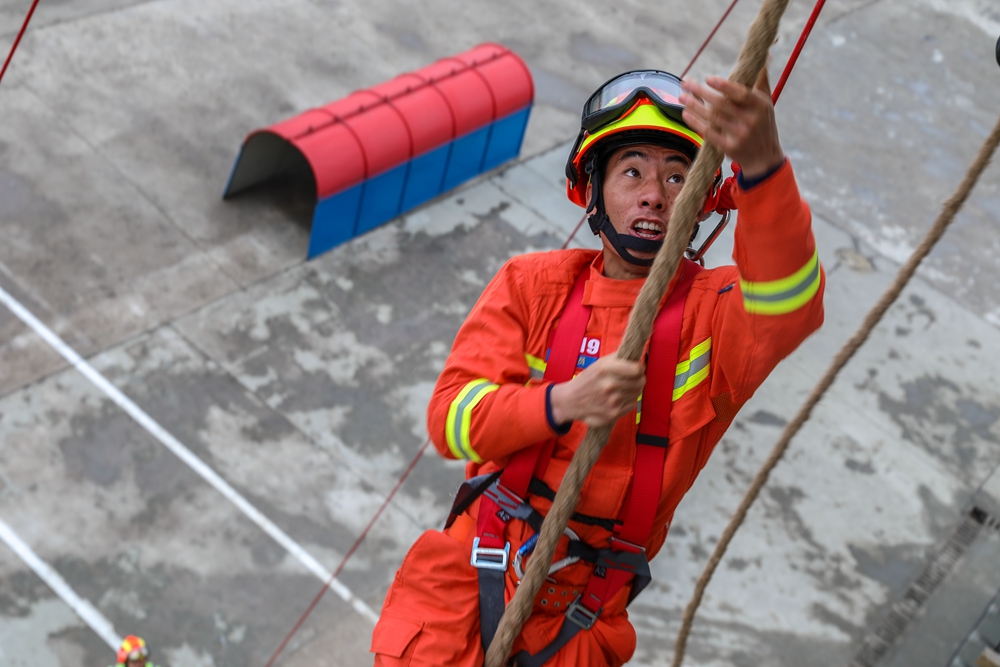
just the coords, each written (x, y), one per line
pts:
(948, 213)
(640, 325)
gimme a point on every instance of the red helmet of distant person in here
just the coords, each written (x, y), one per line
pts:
(637, 107)
(132, 648)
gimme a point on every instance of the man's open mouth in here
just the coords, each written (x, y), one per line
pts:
(646, 229)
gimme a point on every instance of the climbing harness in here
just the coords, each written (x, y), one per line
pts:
(503, 494)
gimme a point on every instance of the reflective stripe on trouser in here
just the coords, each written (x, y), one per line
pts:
(786, 295)
(459, 419)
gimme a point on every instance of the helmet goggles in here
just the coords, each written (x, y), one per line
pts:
(618, 95)
(139, 653)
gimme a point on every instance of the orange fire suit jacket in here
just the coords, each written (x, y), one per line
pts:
(490, 402)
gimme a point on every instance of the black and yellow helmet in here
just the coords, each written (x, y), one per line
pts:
(638, 107)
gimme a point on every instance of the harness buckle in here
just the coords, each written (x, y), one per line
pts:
(486, 558)
(618, 544)
(580, 615)
(505, 499)
(529, 547)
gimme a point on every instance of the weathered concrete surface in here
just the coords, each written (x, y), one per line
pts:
(305, 385)
(157, 549)
(955, 608)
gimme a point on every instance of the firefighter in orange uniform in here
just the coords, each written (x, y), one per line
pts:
(498, 396)
(133, 652)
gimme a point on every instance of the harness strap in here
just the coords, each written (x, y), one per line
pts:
(503, 496)
(566, 632)
(539, 488)
(490, 551)
(476, 486)
(471, 489)
(577, 616)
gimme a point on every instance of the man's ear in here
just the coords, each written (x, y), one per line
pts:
(587, 197)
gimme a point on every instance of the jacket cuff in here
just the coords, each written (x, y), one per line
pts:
(560, 429)
(776, 192)
(747, 183)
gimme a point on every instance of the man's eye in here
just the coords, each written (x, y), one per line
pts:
(676, 178)
(632, 171)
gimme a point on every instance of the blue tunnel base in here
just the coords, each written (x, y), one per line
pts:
(362, 207)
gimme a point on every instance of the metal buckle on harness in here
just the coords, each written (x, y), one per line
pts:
(618, 544)
(486, 558)
(529, 547)
(505, 499)
(586, 618)
(623, 555)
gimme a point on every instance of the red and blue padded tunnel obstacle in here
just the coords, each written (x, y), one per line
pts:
(380, 152)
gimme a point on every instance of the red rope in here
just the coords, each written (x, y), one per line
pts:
(798, 49)
(350, 552)
(18, 40)
(709, 38)
(575, 230)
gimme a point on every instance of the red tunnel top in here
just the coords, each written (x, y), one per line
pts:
(371, 131)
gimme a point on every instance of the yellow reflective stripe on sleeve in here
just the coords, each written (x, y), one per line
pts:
(536, 366)
(694, 370)
(460, 417)
(787, 295)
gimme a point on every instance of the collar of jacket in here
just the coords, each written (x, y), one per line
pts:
(604, 292)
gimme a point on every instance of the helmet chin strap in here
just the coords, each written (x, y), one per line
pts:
(600, 222)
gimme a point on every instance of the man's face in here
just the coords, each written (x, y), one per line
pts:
(641, 184)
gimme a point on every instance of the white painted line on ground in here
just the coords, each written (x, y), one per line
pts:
(54, 580)
(185, 455)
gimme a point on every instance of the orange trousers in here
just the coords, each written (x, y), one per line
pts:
(431, 617)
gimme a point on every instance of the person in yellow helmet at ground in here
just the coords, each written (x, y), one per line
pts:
(133, 653)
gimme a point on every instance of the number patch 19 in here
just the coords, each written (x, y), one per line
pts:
(591, 347)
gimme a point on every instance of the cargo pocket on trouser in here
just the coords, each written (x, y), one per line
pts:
(431, 609)
(394, 641)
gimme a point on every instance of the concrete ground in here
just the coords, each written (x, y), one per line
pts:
(304, 385)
